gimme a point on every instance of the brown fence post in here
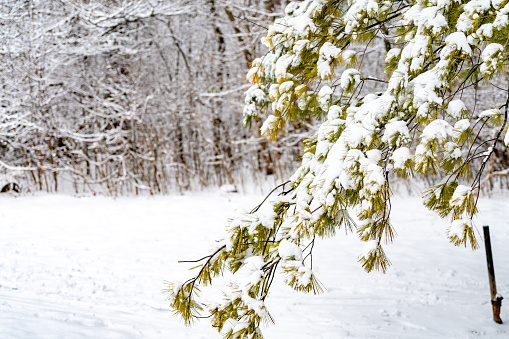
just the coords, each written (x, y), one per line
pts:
(496, 300)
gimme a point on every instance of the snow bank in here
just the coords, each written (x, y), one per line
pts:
(94, 268)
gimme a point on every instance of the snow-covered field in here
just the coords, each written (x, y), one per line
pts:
(94, 268)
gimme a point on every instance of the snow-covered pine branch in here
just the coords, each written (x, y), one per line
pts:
(422, 123)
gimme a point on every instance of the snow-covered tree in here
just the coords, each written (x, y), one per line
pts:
(424, 121)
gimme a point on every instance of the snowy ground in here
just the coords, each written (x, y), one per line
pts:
(94, 268)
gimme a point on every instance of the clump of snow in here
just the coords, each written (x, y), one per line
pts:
(258, 306)
(274, 91)
(289, 250)
(490, 113)
(250, 273)
(392, 54)
(239, 326)
(349, 57)
(490, 51)
(369, 248)
(270, 124)
(492, 57)
(400, 156)
(327, 54)
(460, 194)
(334, 113)
(452, 150)
(460, 127)
(305, 275)
(349, 79)
(374, 155)
(266, 216)
(269, 63)
(485, 30)
(250, 110)
(431, 18)
(425, 85)
(459, 227)
(281, 68)
(299, 47)
(456, 108)
(502, 19)
(396, 128)
(374, 178)
(438, 130)
(325, 97)
(302, 24)
(355, 134)
(286, 86)
(255, 70)
(256, 94)
(456, 41)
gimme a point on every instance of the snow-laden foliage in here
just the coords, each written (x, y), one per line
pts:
(418, 125)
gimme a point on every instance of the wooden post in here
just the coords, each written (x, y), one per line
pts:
(496, 300)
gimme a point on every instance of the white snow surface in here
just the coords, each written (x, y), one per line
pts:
(94, 268)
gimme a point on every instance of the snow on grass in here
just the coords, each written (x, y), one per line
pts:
(94, 268)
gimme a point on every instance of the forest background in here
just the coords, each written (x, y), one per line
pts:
(146, 96)
(122, 97)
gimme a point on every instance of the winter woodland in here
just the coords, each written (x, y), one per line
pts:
(133, 97)
(338, 103)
